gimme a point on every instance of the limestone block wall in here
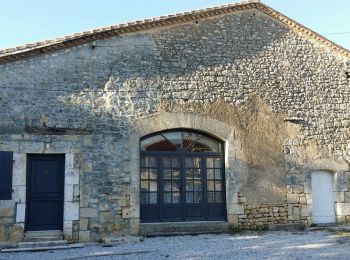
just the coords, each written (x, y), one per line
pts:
(284, 96)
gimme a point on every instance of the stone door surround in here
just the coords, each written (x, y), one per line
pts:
(71, 185)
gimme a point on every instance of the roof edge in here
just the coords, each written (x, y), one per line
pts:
(33, 49)
(303, 29)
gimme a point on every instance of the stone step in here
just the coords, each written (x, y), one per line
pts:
(287, 227)
(32, 249)
(182, 228)
(38, 239)
(44, 233)
(42, 244)
(37, 236)
(114, 240)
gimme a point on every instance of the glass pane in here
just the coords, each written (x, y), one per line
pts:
(171, 162)
(153, 185)
(211, 197)
(167, 185)
(218, 185)
(189, 140)
(144, 174)
(217, 162)
(218, 196)
(189, 185)
(210, 162)
(197, 162)
(197, 186)
(175, 138)
(207, 144)
(176, 197)
(192, 162)
(176, 185)
(157, 143)
(147, 161)
(200, 143)
(197, 174)
(153, 198)
(167, 197)
(210, 185)
(210, 174)
(167, 174)
(144, 185)
(167, 162)
(175, 162)
(189, 197)
(189, 173)
(152, 161)
(197, 197)
(144, 198)
(218, 174)
(153, 174)
(176, 174)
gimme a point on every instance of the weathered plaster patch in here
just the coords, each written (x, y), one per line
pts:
(261, 134)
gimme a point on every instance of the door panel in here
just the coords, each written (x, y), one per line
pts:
(149, 196)
(45, 192)
(48, 210)
(183, 188)
(322, 198)
(171, 203)
(215, 189)
(193, 188)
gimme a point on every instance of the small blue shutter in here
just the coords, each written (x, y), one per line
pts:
(6, 165)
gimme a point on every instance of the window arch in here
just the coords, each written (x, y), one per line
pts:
(181, 140)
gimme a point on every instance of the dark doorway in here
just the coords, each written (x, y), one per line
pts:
(182, 177)
(45, 192)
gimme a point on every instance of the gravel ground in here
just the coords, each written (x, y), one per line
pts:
(263, 245)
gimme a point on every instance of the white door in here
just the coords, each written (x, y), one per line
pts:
(322, 198)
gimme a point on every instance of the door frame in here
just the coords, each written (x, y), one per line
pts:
(30, 159)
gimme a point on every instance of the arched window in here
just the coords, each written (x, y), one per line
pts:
(173, 141)
(181, 177)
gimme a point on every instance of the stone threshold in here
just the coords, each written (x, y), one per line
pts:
(183, 228)
(43, 236)
(45, 248)
(287, 227)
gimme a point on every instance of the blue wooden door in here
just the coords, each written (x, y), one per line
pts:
(177, 187)
(45, 192)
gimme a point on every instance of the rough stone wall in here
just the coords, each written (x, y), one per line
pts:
(244, 69)
(262, 215)
(9, 232)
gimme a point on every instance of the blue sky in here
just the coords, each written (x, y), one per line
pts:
(24, 21)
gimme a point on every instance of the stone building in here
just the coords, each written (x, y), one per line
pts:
(235, 114)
